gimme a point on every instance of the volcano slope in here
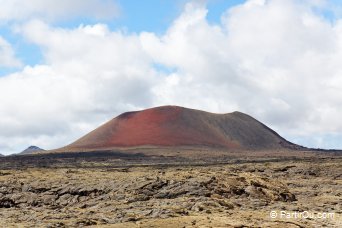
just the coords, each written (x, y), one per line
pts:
(177, 127)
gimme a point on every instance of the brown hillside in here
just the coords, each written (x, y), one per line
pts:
(172, 126)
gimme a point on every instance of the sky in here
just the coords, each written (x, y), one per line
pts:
(68, 66)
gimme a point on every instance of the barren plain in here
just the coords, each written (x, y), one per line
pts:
(116, 191)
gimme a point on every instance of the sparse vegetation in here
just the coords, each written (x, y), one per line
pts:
(170, 195)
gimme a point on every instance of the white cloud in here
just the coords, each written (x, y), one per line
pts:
(56, 9)
(90, 75)
(276, 60)
(7, 55)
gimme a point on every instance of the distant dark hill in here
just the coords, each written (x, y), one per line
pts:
(31, 150)
(173, 126)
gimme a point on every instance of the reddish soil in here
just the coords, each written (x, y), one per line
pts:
(172, 126)
(163, 126)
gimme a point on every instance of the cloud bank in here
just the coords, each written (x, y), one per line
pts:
(18, 10)
(278, 61)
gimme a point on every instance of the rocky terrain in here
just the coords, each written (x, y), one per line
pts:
(240, 194)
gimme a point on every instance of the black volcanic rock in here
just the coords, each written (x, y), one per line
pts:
(31, 150)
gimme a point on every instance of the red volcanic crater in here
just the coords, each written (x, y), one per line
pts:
(172, 126)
